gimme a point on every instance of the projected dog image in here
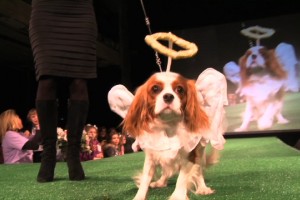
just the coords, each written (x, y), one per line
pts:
(263, 87)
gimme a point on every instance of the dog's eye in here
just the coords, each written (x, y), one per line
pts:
(156, 89)
(179, 90)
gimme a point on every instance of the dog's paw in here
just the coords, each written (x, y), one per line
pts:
(264, 123)
(283, 121)
(204, 191)
(178, 197)
(139, 198)
(158, 184)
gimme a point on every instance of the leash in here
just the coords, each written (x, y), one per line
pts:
(147, 21)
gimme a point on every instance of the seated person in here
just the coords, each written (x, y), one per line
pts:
(15, 146)
(112, 148)
(92, 132)
(102, 135)
(35, 127)
(129, 144)
(1, 154)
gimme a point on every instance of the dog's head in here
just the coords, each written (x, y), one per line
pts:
(259, 61)
(256, 57)
(167, 98)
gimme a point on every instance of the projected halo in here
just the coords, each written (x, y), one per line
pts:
(258, 32)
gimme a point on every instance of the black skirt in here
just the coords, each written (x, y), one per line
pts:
(63, 35)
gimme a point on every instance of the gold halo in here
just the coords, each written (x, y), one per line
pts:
(190, 49)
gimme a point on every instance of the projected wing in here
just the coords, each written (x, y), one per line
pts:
(287, 56)
(212, 90)
(119, 99)
(232, 72)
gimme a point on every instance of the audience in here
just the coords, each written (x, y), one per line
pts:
(123, 141)
(112, 148)
(15, 146)
(1, 154)
(86, 151)
(24, 146)
(32, 117)
(129, 145)
(102, 136)
(61, 144)
(92, 132)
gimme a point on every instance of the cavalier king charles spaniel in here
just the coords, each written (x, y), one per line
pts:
(169, 121)
(173, 119)
(263, 85)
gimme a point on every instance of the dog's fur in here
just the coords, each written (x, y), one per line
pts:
(166, 119)
(262, 85)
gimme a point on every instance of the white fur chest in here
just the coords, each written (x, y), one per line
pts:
(167, 142)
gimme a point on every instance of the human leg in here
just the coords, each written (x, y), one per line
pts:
(76, 119)
(46, 106)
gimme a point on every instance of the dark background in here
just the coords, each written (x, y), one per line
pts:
(122, 29)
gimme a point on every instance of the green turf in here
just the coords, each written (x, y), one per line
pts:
(290, 110)
(250, 168)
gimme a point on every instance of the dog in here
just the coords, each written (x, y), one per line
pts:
(263, 85)
(172, 128)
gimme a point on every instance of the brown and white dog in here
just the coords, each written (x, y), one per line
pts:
(263, 86)
(167, 120)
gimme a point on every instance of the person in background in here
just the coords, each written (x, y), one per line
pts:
(63, 38)
(127, 143)
(94, 143)
(102, 135)
(112, 148)
(86, 151)
(15, 146)
(123, 141)
(32, 117)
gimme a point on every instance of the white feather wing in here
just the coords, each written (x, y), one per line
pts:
(212, 90)
(120, 99)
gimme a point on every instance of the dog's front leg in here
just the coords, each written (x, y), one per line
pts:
(146, 177)
(197, 171)
(181, 189)
(246, 118)
(162, 181)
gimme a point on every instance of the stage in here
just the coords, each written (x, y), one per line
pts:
(261, 168)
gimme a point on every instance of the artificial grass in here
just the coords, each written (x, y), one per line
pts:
(261, 168)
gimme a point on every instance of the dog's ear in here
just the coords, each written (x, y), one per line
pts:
(243, 70)
(119, 100)
(194, 116)
(138, 115)
(274, 65)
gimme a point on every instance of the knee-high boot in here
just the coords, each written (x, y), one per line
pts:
(77, 114)
(47, 113)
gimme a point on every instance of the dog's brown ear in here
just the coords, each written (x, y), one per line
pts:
(194, 117)
(138, 115)
(243, 68)
(274, 65)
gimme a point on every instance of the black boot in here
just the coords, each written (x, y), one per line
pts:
(47, 114)
(77, 114)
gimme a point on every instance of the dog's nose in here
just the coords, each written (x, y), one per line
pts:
(168, 98)
(254, 56)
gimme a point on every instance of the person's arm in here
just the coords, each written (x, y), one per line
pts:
(33, 143)
(27, 133)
